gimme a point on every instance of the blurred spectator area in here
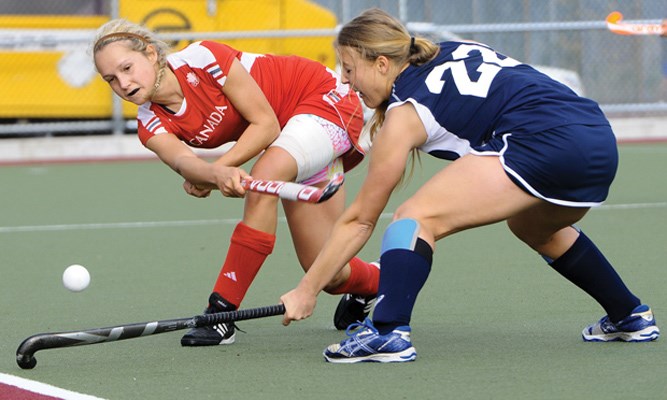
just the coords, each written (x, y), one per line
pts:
(50, 86)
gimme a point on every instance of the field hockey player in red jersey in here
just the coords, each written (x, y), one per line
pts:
(295, 115)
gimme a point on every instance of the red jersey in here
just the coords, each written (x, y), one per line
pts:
(293, 85)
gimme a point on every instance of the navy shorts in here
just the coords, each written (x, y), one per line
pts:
(572, 165)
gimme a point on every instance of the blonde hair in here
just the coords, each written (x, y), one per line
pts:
(138, 36)
(376, 33)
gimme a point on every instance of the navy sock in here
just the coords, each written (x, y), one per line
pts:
(585, 266)
(402, 275)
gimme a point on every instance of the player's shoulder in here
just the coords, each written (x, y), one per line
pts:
(216, 47)
(201, 54)
(461, 48)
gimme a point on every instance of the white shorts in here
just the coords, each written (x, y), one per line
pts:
(316, 144)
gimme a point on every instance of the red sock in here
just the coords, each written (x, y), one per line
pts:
(247, 252)
(364, 279)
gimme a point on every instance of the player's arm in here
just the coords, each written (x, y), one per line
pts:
(195, 170)
(401, 132)
(249, 100)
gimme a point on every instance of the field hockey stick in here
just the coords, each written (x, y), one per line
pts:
(26, 350)
(615, 24)
(296, 191)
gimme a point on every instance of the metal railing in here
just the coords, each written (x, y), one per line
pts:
(117, 124)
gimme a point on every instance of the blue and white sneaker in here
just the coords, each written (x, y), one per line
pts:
(367, 345)
(638, 327)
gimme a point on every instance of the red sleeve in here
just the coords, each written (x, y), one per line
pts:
(148, 123)
(224, 55)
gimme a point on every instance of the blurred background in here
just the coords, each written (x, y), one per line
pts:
(50, 88)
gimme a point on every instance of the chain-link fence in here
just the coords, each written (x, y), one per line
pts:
(46, 74)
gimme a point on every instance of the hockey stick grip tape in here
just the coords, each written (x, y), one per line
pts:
(240, 315)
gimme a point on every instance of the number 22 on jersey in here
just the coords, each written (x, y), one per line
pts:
(490, 66)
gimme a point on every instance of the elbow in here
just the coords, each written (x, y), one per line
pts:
(185, 166)
(269, 123)
(275, 129)
(366, 227)
(361, 218)
(177, 165)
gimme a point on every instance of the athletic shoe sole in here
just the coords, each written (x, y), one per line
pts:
(409, 354)
(647, 334)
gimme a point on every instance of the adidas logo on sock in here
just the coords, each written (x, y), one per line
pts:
(230, 275)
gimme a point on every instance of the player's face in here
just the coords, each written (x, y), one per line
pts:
(366, 77)
(130, 74)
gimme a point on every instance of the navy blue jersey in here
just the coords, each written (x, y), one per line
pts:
(469, 93)
(552, 143)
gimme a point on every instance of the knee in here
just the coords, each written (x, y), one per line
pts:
(407, 210)
(432, 226)
(517, 230)
(257, 200)
(545, 241)
(526, 235)
(410, 211)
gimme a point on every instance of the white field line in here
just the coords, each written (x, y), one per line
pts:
(227, 221)
(115, 225)
(631, 206)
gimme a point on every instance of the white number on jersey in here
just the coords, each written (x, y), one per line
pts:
(488, 70)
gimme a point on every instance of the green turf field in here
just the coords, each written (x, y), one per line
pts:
(493, 322)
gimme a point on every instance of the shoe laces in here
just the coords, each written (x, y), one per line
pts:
(214, 310)
(236, 327)
(358, 327)
(231, 324)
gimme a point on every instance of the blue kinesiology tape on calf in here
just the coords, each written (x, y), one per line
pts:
(400, 234)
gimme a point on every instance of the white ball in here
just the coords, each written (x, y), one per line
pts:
(76, 278)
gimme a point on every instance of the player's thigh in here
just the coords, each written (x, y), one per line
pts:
(313, 143)
(311, 224)
(471, 191)
(275, 163)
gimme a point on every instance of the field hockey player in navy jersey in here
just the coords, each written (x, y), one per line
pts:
(524, 149)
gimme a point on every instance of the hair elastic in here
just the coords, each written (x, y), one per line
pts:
(412, 44)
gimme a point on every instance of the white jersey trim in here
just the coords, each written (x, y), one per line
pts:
(248, 60)
(439, 138)
(149, 120)
(195, 55)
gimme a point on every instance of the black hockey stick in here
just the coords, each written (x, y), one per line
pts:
(25, 353)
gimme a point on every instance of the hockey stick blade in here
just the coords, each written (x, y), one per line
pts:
(27, 349)
(296, 191)
(615, 24)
